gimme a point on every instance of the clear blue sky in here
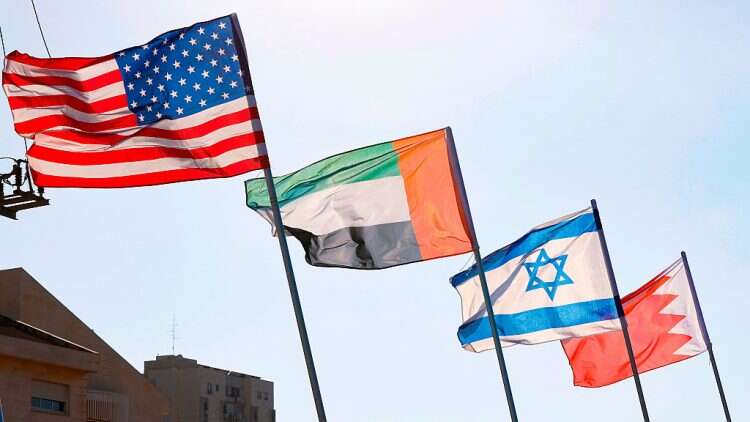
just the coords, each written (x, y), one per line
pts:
(642, 105)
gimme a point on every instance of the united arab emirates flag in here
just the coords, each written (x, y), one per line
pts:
(375, 207)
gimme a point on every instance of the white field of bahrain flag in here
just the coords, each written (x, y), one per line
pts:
(664, 328)
(550, 284)
(375, 207)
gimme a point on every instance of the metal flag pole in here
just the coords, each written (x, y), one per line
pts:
(707, 339)
(280, 234)
(620, 311)
(456, 168)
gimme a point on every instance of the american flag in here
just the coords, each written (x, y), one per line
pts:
(180, 107)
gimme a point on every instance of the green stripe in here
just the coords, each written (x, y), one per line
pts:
(368, 163)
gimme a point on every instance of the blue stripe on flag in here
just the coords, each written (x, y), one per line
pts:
(532, 240)
(539, 319)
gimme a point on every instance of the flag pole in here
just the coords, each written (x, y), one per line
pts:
(280, 234)
(458, 177)
(707, 339)
(620, 311)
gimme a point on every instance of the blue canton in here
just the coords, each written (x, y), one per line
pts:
(535, 282)
(183, 72)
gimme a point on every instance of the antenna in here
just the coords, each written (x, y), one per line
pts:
(173, 331)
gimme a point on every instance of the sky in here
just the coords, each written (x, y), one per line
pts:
(642, 105)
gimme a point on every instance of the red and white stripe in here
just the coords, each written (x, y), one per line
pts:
(75, 110)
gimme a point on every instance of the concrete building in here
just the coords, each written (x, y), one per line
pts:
(53, 368)
(200, 393)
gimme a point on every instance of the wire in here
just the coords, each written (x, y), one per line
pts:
(40, 29)
(2, 41)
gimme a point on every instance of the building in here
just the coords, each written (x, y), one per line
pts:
(200, 393)
(53, 368)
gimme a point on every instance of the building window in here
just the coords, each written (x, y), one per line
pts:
(259, 395)
(265, 396)
(48, 405)
(217, 388)
(49, 397)
(204, 409)
(210, 388)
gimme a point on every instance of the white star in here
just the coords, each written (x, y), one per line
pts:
(205, 73)
(148, 108)
(127, 68)
(150, 81)
(233, 84)
(211, 90)
(173, 94)
(222, 25)
(191, 70)
(143, 92)
(235, 57)
(176, 64)
(213, 62)
(215, 36)
(134, 104)
(182, 36)
(122, 53)
(193, 41)
(206, 46)
(179, 110)
(188, 99)
(147, 63)
(153, 98)
(155, 52)
(226, 69)
(219, 79)
(239, 72)
(225, 96)
(140, 117)
(136, 56)
(158, 115)
(201, 30)
(199, 57)
(163, 58)
(138, 75)
(172, 47)
(145, 47)
(156, 69)
(166, 104)
(228, 41)
(202, 103)
(185, 53)
(221, 51)
(168, 76)
(160, 88)
(131, 87)
(182, 81)
(197, 86)
(164, 41)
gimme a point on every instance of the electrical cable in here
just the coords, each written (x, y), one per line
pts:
(2, 41)
(44, 40)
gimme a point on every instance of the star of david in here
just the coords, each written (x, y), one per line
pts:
(535, 282)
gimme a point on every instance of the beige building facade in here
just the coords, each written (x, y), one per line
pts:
(54, 368)
(201, 393)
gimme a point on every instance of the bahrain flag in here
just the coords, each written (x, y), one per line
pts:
(664, 328)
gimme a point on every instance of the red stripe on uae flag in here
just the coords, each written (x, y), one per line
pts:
(178, 108)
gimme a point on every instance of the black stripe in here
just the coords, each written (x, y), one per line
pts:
(364, 248)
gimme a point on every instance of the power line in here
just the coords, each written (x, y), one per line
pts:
(40, 29)
(2, 41)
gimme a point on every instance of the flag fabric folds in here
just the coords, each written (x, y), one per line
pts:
(663, 325)
(180, 107)
(548, 285)
(371, 208)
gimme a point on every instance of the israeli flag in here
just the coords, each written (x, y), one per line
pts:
(548, 285)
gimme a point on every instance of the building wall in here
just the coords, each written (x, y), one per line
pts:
(24, 299)
(191, 386)
(16, 377)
